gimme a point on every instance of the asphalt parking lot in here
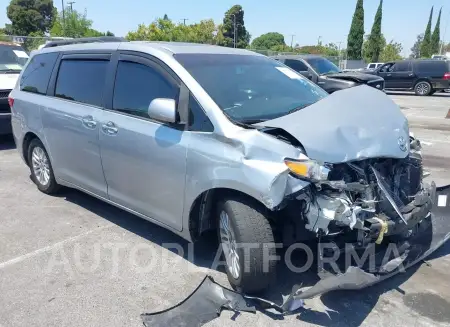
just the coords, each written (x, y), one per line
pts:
(72, 260)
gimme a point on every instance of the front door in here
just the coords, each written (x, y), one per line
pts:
(402, 75)
(70, 120)
(144, 160)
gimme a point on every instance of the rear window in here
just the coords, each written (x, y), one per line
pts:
(37, 74)
(436, 66)
(82, 81)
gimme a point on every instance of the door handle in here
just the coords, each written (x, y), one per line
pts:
(320, 83)
(388, 74)
(411, 74)
(110, 128)
(89, 121)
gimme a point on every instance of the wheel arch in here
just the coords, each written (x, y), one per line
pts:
(29, 136)
(201, 214)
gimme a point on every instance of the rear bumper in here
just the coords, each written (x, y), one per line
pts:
(5, 123)
(441, 85)
(5, 117)
(432, 232)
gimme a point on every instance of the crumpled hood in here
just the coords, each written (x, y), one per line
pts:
(360, 77)
(352, 124)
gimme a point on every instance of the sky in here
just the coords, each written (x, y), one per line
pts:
(308, 21)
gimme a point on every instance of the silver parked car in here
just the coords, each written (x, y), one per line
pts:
(199, 137)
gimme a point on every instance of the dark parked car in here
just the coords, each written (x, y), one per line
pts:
(326, 74)
(425, 77)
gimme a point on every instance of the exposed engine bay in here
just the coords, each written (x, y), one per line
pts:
(364, 201)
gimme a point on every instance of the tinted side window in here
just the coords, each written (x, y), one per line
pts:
(36, 76)
(137, 85)
(81, 80)
(198, 121)
(431, 67)
(402, 66)
(296, 65)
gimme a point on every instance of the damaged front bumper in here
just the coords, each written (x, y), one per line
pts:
(433, 231)
(210, 298)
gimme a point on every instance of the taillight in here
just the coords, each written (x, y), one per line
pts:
(447, 76)
(10, 102)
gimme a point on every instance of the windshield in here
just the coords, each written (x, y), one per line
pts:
(12, 58)
(251, 89)
(322, 66)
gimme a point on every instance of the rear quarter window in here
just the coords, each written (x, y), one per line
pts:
(37, 74)
(436, 66)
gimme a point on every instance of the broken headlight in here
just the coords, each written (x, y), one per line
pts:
(307, 168)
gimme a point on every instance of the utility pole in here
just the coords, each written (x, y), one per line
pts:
(318, 40)
(292, 40)
(70, 3)
(184, 20)
(63, 17)
(339, 53)
(234, 30)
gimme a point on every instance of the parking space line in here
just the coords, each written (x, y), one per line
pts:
(48, 248)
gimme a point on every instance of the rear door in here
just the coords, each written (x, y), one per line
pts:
(144, 160)
(70, 120)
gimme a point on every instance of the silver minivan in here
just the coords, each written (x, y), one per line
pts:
(200, 137)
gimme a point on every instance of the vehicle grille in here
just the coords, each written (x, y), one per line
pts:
(4, 107)
(377, 84)
(4, 94)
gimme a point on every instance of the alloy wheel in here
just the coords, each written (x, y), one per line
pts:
(423, 88)
(41, 167)
(229, 245)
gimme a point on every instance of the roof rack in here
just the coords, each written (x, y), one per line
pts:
(80, 40)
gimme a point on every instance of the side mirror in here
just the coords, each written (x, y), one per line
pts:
(163, 110)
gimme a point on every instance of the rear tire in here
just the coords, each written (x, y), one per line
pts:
(248, 224)
(423, 88)
(41, 168)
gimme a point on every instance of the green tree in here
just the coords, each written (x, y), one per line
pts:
(165, 30)
(75, 24)
(375, 44)
(268, 40)
(367, 55)
(425, 47)
(235, 15)
(108, 33)
(415, 50)
(28, 16)
(391, 52)
(436, 37)
(356, 35)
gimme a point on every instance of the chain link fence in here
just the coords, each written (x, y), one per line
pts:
(29, 43)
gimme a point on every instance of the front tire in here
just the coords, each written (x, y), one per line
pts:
(243, 222)
(41, 168)
(423, 88)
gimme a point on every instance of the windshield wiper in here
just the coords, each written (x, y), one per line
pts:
(251, 121)
(6, 71)
(299, 108)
